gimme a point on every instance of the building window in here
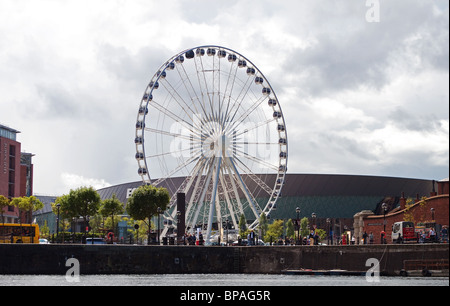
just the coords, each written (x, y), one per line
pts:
(12, 150)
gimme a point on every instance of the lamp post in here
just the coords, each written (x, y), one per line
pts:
(159, 211)
(179, 235)
(57, 222)
(328, 228)
(384, 207)
(313, 215)
(227, 222)
(298, 225)
(383, 237)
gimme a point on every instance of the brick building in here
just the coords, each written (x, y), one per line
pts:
(433, 209)
(16, 171)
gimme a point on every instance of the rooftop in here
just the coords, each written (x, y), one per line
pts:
(8, 132)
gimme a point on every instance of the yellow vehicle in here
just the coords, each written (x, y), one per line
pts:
(19, 233)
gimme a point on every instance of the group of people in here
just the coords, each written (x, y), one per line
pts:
(193, 239)
(432, 236)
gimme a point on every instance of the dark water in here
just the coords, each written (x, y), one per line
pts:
(216, 280)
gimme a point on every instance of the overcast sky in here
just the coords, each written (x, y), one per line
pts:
(363, 84)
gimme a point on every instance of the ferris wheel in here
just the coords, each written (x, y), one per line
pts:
(210, 118)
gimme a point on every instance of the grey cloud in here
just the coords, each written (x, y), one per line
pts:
(404, 119)
(351, 52)
(132, 69)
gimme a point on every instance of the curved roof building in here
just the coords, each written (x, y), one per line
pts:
(326, 195)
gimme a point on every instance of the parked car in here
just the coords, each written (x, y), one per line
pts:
(95, 241)
(244, 242)
(43, 241)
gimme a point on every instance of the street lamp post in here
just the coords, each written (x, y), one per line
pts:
(384, 207)
(313, 215)
(159, 211)
(328, 229)
(57, 222)
(298, 225)
(227, 222)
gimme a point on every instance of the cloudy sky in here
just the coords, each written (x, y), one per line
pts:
(363, 84)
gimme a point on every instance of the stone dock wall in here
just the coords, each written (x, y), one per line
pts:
(126, 259)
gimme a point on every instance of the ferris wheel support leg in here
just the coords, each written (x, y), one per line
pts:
(213, 199)
(244, 188)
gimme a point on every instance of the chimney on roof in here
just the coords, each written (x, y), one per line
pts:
(403, 201)
(433, 192)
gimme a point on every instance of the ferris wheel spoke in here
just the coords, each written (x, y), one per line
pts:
(174, 117)
(177, 152)
(228, 201)
(248, 195)
(239, 100)
(176, 170)
(176, 97)
(253, 176)
(258, 160)
(166, 133)
(248, 112)
(234, 189)
(228, 91)
(201, 70)
(194, 95)
(257, 125)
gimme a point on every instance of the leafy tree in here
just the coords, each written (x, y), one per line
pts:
(111, 207)
(4, 202)
(66, 207)
(274, 231)
(66, 210)
(290, 231)
(243, 226)
(44, 230)
(321, 233)
(145, 201)
(263, 224)
(304, 227)
(86, 201)
(27, 205)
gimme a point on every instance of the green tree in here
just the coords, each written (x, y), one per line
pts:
(81, 202)
(27, 205)
(274, 231)
(290, 230)
(111, 207)
(321, 233)
(144, 202)
(304, 227)
(86, 201)
(66, 207)
(4, 202)
(44, 230)
(263, 224)
(243, 226)
(67, 210)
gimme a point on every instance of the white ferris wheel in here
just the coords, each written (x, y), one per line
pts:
(210, 118)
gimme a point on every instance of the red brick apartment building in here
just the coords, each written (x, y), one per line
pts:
(16, 171)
